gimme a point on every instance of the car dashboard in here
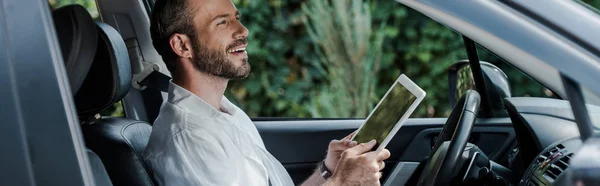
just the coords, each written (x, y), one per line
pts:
(550, 165)
(547, 135)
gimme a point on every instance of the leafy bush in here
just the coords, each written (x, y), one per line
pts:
(350, 47)
(287, 78)
(89, 5)
(286, 62)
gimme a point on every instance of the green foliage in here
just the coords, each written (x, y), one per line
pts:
(350, 47)
(90, 5)
(286, 72)
(283, 61)
(423, 50)
(286, 75)
(287, 64)
(116, 110)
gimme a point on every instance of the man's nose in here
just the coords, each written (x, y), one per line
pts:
(241, 31)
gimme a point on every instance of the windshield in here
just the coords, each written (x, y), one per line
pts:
(592, 99)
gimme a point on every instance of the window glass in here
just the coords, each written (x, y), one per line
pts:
(330, 62)
(593, 5)
(592, 101)
(521, 85)
(90, 5)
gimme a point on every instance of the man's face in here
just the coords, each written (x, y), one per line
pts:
(220, 43)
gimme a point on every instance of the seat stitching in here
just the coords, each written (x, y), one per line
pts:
(134, 152)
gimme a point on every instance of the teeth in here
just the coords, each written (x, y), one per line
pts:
(237, 50)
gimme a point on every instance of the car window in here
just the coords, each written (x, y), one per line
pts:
(310, 62)
(592, 101)
(521, 85)
(90, 6)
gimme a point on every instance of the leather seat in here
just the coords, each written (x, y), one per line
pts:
(119, 142)
(77, 36)
(78, 41)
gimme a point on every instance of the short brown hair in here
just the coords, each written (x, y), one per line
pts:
(169, 17)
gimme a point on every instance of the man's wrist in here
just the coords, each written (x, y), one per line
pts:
(329, 164)
(324, 171)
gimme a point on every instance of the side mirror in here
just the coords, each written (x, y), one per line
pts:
(461, 79)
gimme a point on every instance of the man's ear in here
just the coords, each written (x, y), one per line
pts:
(181, 45)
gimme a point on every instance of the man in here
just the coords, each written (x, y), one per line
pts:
(199, 137)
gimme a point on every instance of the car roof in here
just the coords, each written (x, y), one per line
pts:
(532, 36)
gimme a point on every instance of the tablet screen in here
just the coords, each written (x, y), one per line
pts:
(389, 111)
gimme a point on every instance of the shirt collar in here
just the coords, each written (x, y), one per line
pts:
(193, 104)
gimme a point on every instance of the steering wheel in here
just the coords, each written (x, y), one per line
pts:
(450, 144)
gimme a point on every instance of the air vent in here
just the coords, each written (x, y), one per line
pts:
(563, 163)
(558, 167)
(554, 150)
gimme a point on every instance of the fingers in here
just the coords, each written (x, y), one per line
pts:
(383, 155)
(361, 148)
(381, 165)
(336, 145)
(349, 136)
(353, 144)
(344, 143)
(379, 175)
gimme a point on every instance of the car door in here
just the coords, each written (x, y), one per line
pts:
(300, 144)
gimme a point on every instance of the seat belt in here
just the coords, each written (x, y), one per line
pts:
(157, 81)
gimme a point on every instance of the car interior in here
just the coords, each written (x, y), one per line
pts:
(102, 59)
(104, 66)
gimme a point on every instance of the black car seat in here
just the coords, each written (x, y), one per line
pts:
(119, 142)
(78, 41)
(77, 36)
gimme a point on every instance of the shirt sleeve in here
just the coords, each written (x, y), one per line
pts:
(201, 159)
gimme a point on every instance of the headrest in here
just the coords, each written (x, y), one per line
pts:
(109, 78)
(78, 40)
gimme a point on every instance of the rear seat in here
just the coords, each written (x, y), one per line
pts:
(119, 142)
(78, 40)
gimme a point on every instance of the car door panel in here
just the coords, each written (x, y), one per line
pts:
(300, 144)
(401, 173)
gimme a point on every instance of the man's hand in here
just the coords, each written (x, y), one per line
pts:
(358, 166)
(336, 147)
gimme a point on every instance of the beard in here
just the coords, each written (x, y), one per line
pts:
(216, 63)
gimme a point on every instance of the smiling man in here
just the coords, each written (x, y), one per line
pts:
(199, 137)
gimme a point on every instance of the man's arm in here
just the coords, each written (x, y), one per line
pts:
(334, 151)
(357, 166)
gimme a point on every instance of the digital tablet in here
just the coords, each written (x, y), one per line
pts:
(390, 113)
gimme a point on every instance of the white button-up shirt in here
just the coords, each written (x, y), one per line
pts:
(192, 143)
